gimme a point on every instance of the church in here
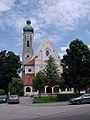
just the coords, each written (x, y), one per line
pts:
(34, 62)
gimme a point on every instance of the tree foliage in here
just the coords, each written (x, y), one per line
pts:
(16, 86)
(76, 68)
(38, 81)
(9, 63)
(52, 74)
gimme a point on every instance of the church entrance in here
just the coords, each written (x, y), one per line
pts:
(28, 89)
(49, 89)
(56, 89)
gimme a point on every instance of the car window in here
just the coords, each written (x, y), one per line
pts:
(86, 95)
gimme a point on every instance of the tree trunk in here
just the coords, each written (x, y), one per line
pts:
(79, 91)
(39, 94)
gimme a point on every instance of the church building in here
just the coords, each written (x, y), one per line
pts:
(34, 62)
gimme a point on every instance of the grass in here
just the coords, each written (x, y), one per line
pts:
(45, 99)
(56, 98)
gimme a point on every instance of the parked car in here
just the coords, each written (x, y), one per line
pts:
(13, 99)
(3, 98)
(85, 98)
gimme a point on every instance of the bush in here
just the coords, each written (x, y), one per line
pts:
(2, 92)
(66, 97)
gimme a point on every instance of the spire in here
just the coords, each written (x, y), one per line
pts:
(28, 27)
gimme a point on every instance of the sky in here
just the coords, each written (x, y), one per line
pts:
(62, 21)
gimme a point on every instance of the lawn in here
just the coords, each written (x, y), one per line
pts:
(54, 98)
(45, 99)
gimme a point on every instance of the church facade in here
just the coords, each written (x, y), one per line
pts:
(34, 62)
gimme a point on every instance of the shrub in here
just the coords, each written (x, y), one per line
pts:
(66, 97)
(2, 92)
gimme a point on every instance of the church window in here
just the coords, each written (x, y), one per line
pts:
(47, 53)
(27, 56)
(27, 43)
(29, 70)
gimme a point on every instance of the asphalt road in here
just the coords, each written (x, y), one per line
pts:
(52, 111)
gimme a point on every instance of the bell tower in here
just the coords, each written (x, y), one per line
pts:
(28, 33)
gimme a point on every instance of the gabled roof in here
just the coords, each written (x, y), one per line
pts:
(45, 40)
(31, 62)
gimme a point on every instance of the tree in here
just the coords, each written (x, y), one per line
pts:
(76, 65)
(38, 82)
(9, 63)
(52, 74)
(16, 86)
(62, 83)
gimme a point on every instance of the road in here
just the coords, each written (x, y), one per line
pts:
(52, 111)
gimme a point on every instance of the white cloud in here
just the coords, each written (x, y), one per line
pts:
(24, 2)
(64, 13)
(89, 46)
(61, 54)
(48, 14)
(63, 49)
(6, 5)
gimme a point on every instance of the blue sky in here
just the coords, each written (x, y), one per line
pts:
(60, 20)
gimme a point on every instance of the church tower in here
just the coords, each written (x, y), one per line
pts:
(28, 33)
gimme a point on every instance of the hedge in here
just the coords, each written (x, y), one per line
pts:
(2, 92)
(66, 97)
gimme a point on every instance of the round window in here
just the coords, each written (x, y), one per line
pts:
(47, 52)
(27, 56)
(29, 70)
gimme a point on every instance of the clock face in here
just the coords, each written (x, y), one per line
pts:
(27, 36)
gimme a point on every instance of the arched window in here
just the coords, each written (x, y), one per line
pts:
(56, 89)
(49, 89)
(28, 89)
(27, 43)
(47, 53)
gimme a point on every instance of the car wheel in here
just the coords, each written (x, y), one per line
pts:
(78, 102)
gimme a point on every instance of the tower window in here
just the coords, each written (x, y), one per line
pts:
(27, 56)
(28, 36)
(27, 43)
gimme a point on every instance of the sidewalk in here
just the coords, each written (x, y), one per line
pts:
(29, 102)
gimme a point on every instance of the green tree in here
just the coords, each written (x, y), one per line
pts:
(38, 82)
(76, 68)
(62, 83)
(9, 63)
(52, 74)
(16, 86)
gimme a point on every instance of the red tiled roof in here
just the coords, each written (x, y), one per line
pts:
(32, 62)
(28, 79)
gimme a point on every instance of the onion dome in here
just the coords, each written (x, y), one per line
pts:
(28, 27)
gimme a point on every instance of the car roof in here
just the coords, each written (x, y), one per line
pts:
(2, 95)
(13, 95)
(86, 94)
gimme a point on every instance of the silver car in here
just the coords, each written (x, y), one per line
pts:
(85, 98)
(13, 99)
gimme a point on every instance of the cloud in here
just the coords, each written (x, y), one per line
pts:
(89, 46)
(24, 2)
(64, 14)
(6, 5)
(63, 49)
(47, 16)
(61, 54)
